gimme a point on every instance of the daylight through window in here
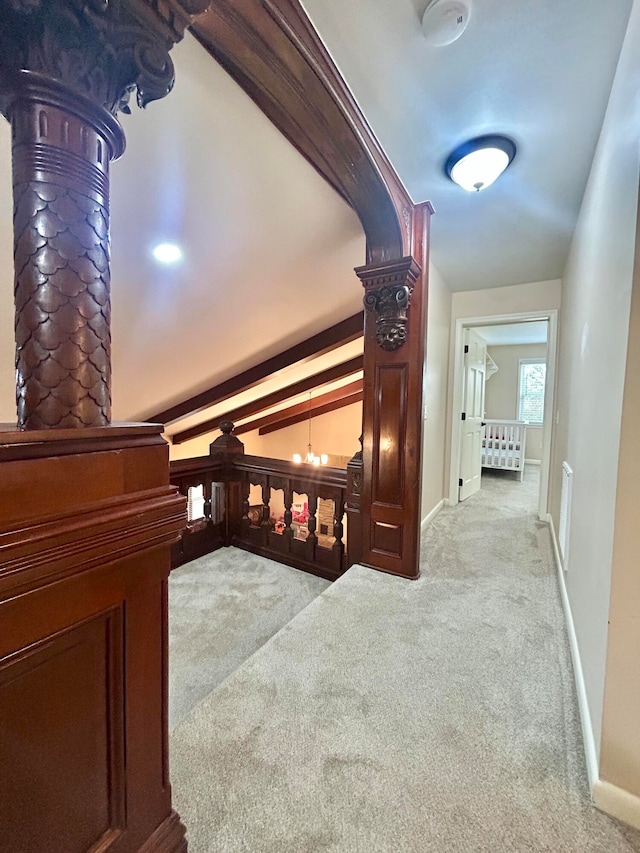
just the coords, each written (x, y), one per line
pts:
(531, 381)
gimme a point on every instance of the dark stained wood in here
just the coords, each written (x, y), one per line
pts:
(323, 409)
(332, 338)
(64, 134)
(392, 420)
(353, 507)
(205, 535)
(87, 514)
(238, 472)
(340, 371)
(303, 411)
(272, 50)
(85, 538)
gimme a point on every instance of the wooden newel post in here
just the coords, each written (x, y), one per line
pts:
(227, 447)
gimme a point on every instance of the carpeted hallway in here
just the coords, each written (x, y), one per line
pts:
(435, 715)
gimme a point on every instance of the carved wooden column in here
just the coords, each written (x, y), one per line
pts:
(66, 69)
(87, 514)
(394, 353)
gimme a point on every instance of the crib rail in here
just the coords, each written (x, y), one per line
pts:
(504, 444)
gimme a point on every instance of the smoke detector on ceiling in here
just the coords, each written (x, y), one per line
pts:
(444, 21)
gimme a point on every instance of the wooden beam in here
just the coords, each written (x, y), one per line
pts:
(303, 410)
(335, 336)
(339, 371)
(349, 400)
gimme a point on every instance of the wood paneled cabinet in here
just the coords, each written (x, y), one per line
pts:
(85, 539)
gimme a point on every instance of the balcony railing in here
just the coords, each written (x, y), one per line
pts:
(288, 512)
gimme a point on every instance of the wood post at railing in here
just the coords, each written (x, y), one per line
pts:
(354, 517)
(228, 447)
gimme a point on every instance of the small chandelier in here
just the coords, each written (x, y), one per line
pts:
(310, 458)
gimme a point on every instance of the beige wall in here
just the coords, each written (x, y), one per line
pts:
(514, 299)
(501, 389)
(620, 743)
(592, 361)
(335, 433)
(435, 401)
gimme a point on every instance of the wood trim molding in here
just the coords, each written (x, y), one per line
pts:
(301, 411)
(335, 336)
(111, 529)
(272, 50)
(349, 400)
(340, 371)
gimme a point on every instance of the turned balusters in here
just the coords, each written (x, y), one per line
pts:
(266, 510)
(338, 530)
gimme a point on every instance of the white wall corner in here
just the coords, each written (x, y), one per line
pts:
(617, 802)
(426, 521)
(590, 751)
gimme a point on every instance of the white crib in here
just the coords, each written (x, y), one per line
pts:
(503, 445)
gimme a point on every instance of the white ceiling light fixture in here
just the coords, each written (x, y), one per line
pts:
(444, 21)
(167, 253)
(477, 163)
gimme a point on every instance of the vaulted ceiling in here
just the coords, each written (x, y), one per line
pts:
(269, 248)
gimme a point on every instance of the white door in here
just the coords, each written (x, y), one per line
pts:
(475, 354)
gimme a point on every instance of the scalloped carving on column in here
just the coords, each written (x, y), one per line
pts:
(66, 70)
(388, 289)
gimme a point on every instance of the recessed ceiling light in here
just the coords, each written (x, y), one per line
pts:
(167, 253)
(477, 163)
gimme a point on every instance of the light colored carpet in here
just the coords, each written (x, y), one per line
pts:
(222, 608)
(436, 715)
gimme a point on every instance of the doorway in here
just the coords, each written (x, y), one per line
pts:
(508, 424)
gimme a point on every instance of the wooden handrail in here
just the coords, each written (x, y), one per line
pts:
(316, 474)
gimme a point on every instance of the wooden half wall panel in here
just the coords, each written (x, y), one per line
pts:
(83, 645)
(390, 425)
(61, 714)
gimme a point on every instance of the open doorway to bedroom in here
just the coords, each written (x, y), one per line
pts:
(504, 374)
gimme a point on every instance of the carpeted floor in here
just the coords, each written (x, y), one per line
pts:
(436, 715)
(222, 608)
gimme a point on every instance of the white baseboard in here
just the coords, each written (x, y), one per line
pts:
(426, 521)
(617, 802)
(590, 751)
(533, 461)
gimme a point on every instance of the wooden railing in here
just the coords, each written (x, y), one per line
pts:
(204, 534)
(288, 512)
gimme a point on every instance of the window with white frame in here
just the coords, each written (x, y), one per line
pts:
(532, 376)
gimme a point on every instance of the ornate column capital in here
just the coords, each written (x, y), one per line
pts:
(101, 50)
(388, 288)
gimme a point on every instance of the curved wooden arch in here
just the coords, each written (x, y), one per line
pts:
(272, 50)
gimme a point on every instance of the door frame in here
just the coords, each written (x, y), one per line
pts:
(549, 401)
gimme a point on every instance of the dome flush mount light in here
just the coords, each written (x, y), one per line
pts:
(167, 253)
(477, 163)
